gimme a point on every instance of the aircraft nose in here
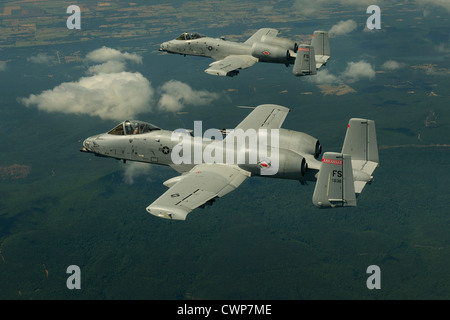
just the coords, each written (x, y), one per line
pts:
(87, 145)
(164, 46)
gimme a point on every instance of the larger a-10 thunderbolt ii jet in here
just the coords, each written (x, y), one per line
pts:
(263, 46)
(264, 150)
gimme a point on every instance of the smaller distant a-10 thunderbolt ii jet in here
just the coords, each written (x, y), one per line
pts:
(212, 167)
(263, 46)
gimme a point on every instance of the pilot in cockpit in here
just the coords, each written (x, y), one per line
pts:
(128, 128)
(189, 36)
(133, 128)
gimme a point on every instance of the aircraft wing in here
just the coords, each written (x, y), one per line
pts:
(265, 116)
(198, 187)
(230, 65)
(256, 37)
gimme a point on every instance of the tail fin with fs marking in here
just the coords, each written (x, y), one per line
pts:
(342, 176)
(334, 186)
(305, 62)
(321, 44)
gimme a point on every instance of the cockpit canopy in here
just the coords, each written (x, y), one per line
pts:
(190, 36)
(130, 127)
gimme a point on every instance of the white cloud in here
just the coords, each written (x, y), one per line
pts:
(133, 170)
(110, 92)
(106, 54)
(114, 96)
(342, 27)
(112, 66)
(324, 77)
(357, 70)
(392, 65)
(110, 60)
(2, 65)
(175, 95)
(41, 58)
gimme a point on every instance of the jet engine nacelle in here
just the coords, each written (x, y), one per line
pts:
(269, 52)
(280, 42)
(285, 164)
(309, 144)
(291, 165)
(300, 142)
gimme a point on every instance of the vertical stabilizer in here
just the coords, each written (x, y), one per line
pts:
(321, 44)
(305, 62)
(334, 187)
(361, 140)
(361, 144)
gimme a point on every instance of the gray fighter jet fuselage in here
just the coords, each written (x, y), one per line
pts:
(219, 48)
(263, 46)
(297, 151)
(217, 162)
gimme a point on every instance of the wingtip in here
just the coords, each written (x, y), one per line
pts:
(167, 213)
